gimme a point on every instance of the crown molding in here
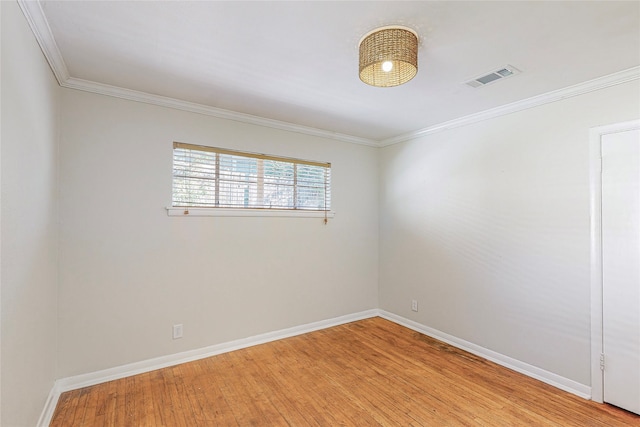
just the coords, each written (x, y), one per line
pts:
(535, 101)
(40, 27)
(163, 101)
(34, 14)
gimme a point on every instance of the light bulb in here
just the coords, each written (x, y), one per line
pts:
(387, 66)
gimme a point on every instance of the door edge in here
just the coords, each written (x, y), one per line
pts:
(595, 215)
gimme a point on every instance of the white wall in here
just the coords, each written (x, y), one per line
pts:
(129, 272)
(30, 96)
(487, 226)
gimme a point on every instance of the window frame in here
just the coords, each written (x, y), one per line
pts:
(226, 211)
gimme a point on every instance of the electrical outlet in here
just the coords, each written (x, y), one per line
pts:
(177, 331)
(414, 305)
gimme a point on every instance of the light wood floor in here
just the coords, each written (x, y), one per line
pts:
(367, 373)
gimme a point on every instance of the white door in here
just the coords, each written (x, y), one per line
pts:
(621, 268)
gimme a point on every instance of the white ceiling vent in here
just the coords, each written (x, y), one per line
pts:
(493, 76)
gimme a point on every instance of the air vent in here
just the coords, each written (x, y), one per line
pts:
(493, 76)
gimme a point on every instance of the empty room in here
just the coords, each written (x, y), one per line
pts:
(319, 213)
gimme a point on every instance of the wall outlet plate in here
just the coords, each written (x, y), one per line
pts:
(177, 331)
(414, 305)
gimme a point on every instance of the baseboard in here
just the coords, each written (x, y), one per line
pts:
(49, 407)
(550, 378)
(93, 378)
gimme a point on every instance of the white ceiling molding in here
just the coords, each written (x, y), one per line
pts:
(163, 101)
(40, 27)
(535, 101)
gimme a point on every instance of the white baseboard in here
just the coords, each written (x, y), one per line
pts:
(93, 378)
(49, 407)
(550, 378)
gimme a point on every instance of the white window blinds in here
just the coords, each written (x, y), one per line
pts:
(220, 178)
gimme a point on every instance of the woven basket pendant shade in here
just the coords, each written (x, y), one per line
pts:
(388, 56)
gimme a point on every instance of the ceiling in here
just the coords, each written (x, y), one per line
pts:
(297, 62)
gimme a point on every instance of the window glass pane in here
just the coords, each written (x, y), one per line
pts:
(278, 172)
(311, 187)
(278, 196)
(278, 184)
(238, 181)
(193, 178)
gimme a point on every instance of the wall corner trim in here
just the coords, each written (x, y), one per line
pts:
(539, 374)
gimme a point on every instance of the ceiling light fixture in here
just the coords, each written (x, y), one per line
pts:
(388, 56)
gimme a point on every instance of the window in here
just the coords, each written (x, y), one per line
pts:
(208, 177)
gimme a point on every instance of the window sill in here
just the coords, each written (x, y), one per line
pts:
(173, 211)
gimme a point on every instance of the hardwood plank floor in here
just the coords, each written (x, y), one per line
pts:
(367, 373)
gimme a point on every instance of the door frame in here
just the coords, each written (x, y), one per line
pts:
(595, 202)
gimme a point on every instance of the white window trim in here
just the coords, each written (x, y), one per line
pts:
(244, 212)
